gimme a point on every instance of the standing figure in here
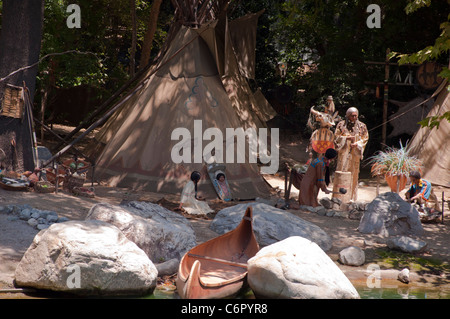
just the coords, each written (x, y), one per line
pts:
(329, 107)
(189, 200)
(317, 177)
(351, 137)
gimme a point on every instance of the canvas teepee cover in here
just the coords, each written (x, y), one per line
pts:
(432, 146)
(187, 87)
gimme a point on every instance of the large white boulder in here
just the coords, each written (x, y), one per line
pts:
(86, 257)
(159, 232)
(270, 224)
(297, 268)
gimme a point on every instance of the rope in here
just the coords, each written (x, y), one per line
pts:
(438, 90)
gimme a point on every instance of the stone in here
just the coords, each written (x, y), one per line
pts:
(42, 226)
(297, 268)
(168, 268)
(25, 214)
(270, 224)
(355, 214)
(403, 276)
(159, 232)
(330, 213)
(406, 244)
(86, 257)
(389, 215)
(322, 211)
(352, 256)
(33, 222)
(52, 218)
(326, 202)
(35, 214)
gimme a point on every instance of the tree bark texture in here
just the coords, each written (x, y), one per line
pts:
(149, 35)
(20, 43)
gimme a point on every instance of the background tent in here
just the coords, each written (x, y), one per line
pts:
(432, 146)
(185, 87)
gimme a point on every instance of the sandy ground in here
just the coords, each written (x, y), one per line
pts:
(17, 235)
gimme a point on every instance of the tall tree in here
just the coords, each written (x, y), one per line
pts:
(20, 42)
(149, 35)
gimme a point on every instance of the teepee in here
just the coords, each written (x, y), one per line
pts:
(432, 146)
(195, 88)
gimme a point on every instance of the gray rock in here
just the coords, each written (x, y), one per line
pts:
(326, 202)
(86, 257)
(297, 268)
(330, 213)
(389, 215)
(270, 224)
(322, 211)
(62, 219)
(42, 226)
(159, 232)
(406, 244)
(42, 220)
(352, 256)
(25, 214)
(33, 222)
(52, 218)
(36, 214)
(167, 268)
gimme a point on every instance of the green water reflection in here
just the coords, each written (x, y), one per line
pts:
(364, 292)
(402, 293)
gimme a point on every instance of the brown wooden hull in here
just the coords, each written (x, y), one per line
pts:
(218, 268)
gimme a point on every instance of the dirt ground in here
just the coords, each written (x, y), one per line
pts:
(17, 235)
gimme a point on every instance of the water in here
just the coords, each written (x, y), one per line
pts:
(402, 293)
(364, 293)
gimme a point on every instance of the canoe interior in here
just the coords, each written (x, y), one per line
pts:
(223, 259)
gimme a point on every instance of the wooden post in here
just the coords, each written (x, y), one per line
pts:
(385, 98)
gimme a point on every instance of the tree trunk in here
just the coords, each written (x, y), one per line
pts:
(133, 38)
(20, 43)
(149, 35)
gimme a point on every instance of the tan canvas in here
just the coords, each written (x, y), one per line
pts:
(432, 146)
(186, 88)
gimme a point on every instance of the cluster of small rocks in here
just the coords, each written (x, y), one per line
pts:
(335, 208)
(36, 218)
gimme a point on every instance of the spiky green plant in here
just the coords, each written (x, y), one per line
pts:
(394, 161)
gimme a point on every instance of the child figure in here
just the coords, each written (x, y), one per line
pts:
(222, 186)
(189, 200)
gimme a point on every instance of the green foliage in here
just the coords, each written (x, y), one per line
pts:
(429, 53)
(395, 161)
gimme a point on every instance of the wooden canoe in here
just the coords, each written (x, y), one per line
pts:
(218, 268)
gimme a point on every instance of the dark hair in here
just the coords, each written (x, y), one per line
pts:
(220, 175)
(415, 174)
(195, 177)
(330, 153)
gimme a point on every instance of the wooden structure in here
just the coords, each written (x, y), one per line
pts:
(13, 102)
(218, 268)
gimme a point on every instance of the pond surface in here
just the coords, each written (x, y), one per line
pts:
(364, 292)
(402, 293)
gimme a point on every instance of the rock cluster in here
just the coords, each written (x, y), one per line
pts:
(36, 218)
(335, 208)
